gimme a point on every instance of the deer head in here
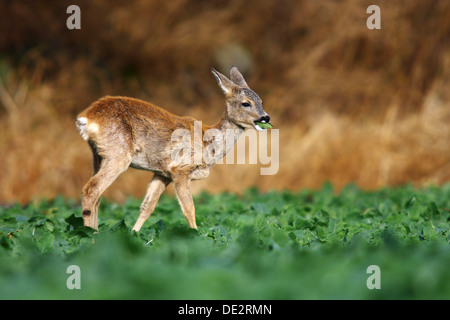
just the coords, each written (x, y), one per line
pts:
(244, 106)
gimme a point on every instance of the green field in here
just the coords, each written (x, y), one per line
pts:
(276, 245)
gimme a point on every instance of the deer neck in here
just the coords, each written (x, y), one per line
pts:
(226, 133)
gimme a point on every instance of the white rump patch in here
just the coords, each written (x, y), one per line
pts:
(82, 127)
(93, 127)
(81, 121)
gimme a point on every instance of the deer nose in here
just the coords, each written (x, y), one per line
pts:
(265, 119)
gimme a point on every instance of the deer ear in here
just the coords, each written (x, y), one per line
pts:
(237, 77)
(224, 83)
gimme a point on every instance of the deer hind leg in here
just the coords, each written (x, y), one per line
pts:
(96, 158)
(182, 186)
(104, 174)
(154, 191)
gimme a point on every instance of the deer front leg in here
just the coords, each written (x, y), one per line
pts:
(154, 191)
(182, 184)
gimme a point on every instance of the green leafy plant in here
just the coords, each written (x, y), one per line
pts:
(274, 245)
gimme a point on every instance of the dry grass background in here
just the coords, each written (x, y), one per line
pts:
(352, 105)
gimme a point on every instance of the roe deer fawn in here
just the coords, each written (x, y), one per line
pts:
(125, 132)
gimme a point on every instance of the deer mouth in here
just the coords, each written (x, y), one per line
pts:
(262, 123)
(257, 127)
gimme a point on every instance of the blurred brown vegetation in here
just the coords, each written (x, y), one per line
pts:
(352, 105)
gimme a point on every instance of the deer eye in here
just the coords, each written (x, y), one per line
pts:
(245, 104)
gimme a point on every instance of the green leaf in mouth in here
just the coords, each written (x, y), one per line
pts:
(264, 125)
